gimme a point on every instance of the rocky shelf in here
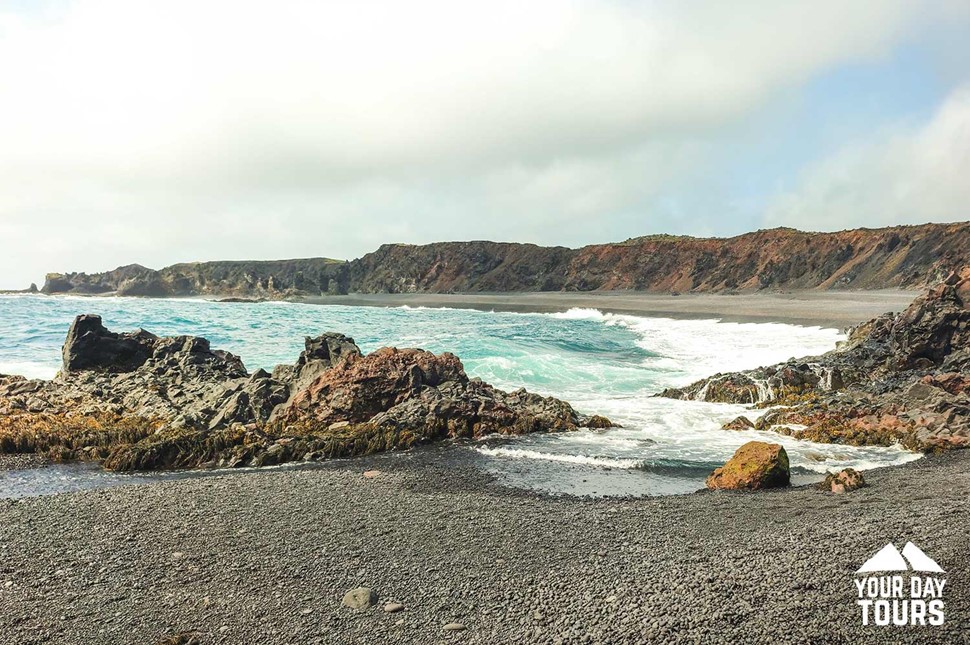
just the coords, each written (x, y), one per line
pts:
(897, 379)
(134, 401)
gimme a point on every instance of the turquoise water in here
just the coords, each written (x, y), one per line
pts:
(601, 363)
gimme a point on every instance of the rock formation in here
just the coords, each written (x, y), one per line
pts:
(754, 466)
(897, 379)
(243, 279)
(137, 401)
(847, 479)
(900, 256)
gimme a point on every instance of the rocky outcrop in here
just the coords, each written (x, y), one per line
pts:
(137, 401)
(319, 354)
(450, 267)
(243, 279)
(90, 346)
(897, 379)
(29, 290)
(847, 479)
(900, 256)
(754, 466)
(414, 391)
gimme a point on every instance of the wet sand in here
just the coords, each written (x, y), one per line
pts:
(835, 309)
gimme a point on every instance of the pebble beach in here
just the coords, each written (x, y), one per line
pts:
(267, 556)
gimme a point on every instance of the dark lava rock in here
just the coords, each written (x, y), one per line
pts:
(90, 346)
(843, 481)
(897, 379)
(137, 401)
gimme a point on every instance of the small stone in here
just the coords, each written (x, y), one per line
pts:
(224, 629)
(393, 607)
(306, 612)
(371, 474)
(359, 598)
(454, 627)
(739, 423)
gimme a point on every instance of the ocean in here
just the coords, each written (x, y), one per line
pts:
(601, 363)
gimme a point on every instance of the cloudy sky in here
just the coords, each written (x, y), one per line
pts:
(158, 132)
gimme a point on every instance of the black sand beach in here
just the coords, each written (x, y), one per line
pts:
(265, 557)
(807, 307)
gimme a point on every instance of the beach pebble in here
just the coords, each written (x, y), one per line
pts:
(371, 474)
(453, 627)
(393, 607)
(359, 598)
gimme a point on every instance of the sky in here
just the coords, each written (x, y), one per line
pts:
(153, 132)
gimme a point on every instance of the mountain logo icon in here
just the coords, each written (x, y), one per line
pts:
(889, 558)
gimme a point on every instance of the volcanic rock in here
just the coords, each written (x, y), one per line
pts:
(755, 465)
(90, 346)
(843, 481)
(897, 379)
(739, 423)
(136, 401)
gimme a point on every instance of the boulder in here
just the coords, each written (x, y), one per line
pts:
(843, 481)
(90, 346)
(754, 466)
(415, 394)
(739, 423)
(359, 388)
(934, 325)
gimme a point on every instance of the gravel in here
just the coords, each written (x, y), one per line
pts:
(267, 556)
(21, 461)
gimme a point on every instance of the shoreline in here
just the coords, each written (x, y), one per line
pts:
(452, 545)
(833, 309)
(809, 308)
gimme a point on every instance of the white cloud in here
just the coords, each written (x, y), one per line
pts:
(907, 176)
(135, 130)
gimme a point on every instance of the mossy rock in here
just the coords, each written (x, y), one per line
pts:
(754, 466)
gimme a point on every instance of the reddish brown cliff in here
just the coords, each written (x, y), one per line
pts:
(900, 257)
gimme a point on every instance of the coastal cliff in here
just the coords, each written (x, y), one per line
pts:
(249, 279)
(896, 257)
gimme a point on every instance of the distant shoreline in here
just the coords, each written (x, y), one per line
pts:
(834, 309)
(810, 308)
